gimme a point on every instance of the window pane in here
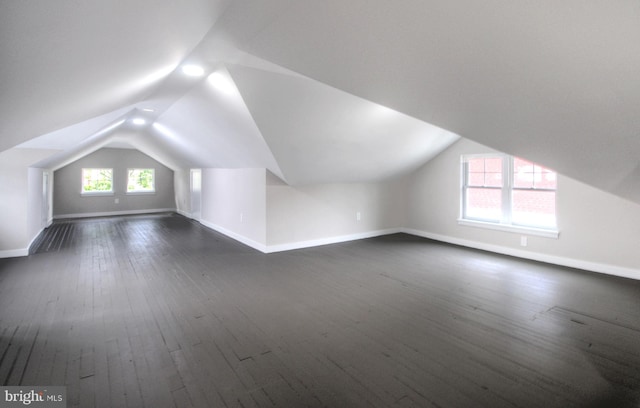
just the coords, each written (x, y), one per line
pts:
(475, 175)
(523, 173)
(485, 172)
(476, 165)
(141, 180)
(547, 179)
(493, 165)
(530, 175)
(484, 204)
(476, 179)
(493, 172)
(493, 179)
(534, 208)
(97, 180)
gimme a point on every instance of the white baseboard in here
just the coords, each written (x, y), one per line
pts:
(14, 253)
(268, 249)
(535, 256)
(330, 240)
(112, 213)
(240, 238)
(34, 238)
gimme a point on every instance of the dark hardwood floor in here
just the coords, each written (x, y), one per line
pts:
(158, 311)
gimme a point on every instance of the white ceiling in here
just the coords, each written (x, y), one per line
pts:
(64, 62)
(319, 134)
(555, 82)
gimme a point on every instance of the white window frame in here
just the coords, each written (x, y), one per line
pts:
(505, 223)
(141, 192)
(96, 193)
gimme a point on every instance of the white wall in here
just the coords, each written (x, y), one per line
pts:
(234, 203)
(21, 193)
(326, 213)
(38, 214)
(598, 231)
(182, 190)
(258, 209)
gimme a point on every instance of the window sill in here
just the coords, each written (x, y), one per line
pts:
(97, 194)
(511, 228)
(140, 192)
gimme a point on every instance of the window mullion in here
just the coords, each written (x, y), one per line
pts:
(464, 183)
(507, 183)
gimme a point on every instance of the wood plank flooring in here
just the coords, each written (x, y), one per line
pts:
(158, 311)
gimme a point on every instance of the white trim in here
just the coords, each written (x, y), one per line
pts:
(96, 193)
(240, 238)
(111, 213)
(536, 256)
(14, 253)
(34, 239)
(140, 192)
(331, 240)
(510, 228)
(268, 249)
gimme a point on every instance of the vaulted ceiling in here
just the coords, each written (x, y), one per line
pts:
(327, 91)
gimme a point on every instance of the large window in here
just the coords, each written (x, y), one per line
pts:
(141, 181)
(509, 192)
(97, 181)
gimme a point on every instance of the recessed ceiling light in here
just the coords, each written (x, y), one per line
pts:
(139, 121)
(148, 110)
(193, 70)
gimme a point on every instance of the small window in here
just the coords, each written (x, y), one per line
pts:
(97, 181)
(508, 192)
(141, 181)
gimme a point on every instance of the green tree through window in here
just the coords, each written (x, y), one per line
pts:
(97, 180)
(141, 180)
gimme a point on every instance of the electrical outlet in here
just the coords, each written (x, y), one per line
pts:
(117, 201)
(523, 241)
(358, 217)
(241, 217)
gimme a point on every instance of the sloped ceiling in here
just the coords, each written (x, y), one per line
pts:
(554, 82)
(319, 134)
(217, 126)
(66, 61)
